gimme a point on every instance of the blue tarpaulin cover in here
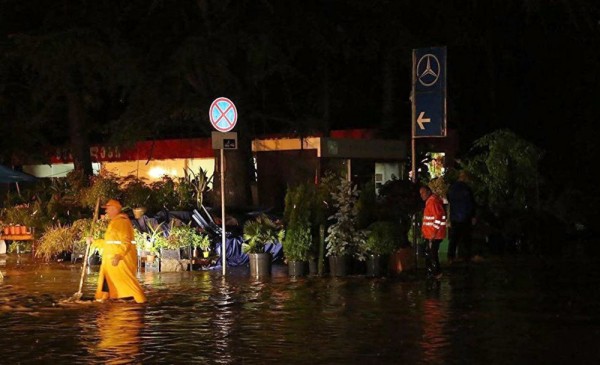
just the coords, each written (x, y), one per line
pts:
(233, 243)
(8, 175)
(235, 256)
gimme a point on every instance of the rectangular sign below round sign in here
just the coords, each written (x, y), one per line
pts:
(224, 141)
(222, 114)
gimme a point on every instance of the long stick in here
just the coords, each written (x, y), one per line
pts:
(87, 250)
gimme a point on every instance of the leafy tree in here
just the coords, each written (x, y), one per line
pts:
(506, 172)
(72, 66)
(297, 243)
(260, 231)
(343, 235)
(399, 201)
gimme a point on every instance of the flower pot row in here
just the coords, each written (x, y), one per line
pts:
(18, 229)
(374, 266)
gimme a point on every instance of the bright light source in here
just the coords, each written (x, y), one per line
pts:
(157, 172)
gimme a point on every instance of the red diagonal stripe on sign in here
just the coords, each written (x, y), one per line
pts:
(229, 122)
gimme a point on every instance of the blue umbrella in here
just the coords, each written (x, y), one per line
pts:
(8, 175)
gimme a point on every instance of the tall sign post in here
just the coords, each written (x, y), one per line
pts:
(428, 98)
(223, 116)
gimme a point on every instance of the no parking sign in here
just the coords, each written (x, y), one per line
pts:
(223, 114)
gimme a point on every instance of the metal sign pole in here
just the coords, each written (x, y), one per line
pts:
(223, 116)
(414, 180)
(428, 100)
(223, 251)
(413, 153)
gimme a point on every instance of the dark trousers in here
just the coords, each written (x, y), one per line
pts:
(460, 238)
(432, 259)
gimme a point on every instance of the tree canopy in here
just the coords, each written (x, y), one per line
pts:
(79, 72)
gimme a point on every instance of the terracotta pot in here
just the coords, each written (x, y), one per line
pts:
(13, 229)
(23, 230)
(402, 260)
(6, 230)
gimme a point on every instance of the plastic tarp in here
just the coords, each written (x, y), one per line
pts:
(8, 175)
(236, 257)
(233, 243)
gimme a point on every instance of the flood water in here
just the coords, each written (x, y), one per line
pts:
(505, 310)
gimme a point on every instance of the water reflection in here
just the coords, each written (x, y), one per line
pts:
(119, 327)
(434, 320)
(500, 312)
(222, 322)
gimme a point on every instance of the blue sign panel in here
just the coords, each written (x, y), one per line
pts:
(429, 92)
(429, 115)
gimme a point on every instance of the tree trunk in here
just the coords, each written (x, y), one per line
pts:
(238, 165)
(321, 257)
(388, 99)
(325, 100)
(78, 136)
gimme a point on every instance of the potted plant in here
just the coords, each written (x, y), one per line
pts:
(382, 241)
(61, 238)
(55, 240)
(322, 208)
(399, 202)
(164, 194)
(298, 236)
(24, 218)
(257, 233)
(202, 242)
(343, 237)
(186, 235)
(136, 195)
(157, 241)
(104, 186)
(200, 182)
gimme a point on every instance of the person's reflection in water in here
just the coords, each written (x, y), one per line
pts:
(434, 319)
(119, 328)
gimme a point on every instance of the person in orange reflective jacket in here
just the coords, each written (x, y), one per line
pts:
(433, 229)
(117, 278)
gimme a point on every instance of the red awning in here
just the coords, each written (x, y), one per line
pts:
(146, 150)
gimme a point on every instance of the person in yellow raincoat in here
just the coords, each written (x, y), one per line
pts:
(117, 278)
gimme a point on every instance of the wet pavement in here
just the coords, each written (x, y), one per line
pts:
(505, 310)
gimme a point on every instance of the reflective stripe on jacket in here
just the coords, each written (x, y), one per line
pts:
(434, 219)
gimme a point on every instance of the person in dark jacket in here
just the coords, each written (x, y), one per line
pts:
(462, 217)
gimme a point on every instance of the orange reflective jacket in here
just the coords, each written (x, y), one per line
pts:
(434, 219)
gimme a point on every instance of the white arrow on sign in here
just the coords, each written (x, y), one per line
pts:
(421, 119)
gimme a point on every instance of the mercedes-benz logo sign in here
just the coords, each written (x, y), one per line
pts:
(428, 70)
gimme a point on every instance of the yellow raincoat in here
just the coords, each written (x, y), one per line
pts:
(120, 280)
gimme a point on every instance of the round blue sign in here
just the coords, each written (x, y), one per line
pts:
(223, 114)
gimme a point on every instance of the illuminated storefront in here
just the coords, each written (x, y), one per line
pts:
(149, 160)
